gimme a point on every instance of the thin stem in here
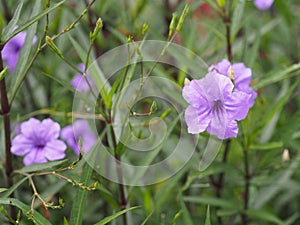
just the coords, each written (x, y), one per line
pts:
(246, 187)
(5, 112)
(123, 200)
(227, 23)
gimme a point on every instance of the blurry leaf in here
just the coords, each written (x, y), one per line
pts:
(187, 219)
(177, 215)
(20, 70)
(211, 201)
(292, 219)
(3, 189)
(274, 77)
(8, 192)
(147, 218)
(12, 23)
(43, 166)
(238, 14)
(221, 3)
(79, 203)
(112, 217)
(207, 220)
(36, 216)
(266, 146)
(108, 196)
(153, 107)
(66, 221)
(259, 214)
(36, 17)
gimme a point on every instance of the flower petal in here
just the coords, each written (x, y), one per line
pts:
(197, 119)
(34, 156)
(49, 129)
(21, 145)
(55, 150)
(237, 105)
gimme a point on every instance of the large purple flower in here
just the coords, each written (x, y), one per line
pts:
(38, 142)
(81, 84)
(11, 50)
(242, 76)
(214, 106)
(80, 129)
(263, 4)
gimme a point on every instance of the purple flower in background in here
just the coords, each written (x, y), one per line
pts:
(242, 77)
(263, 4)
(214, 106)
(80, 129)
(79, 83)
(11, 50)
(38, 142)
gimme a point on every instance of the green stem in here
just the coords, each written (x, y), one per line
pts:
(123, 201)
(246, 187)
(5, 112)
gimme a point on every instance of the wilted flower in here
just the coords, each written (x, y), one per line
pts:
(242, 76)
(263, 4)
(38, 141)
(81, 84)
(215, 106)
(80, 129)
(11, 50)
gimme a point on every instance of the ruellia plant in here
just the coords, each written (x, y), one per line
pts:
(139, 112)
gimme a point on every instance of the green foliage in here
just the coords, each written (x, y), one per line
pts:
(261, 163)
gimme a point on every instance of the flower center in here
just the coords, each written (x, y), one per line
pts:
(40, 144)
(218, 108)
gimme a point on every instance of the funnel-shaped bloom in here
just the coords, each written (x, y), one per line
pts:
(38, 142)
(79, 130)
(263, 4)
(11, 50)
(242, 76)
(215, 106)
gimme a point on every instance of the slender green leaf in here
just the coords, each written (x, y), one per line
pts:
(263, 215)
(43, 166)
(36, 216)
(207, 220)
(147, 218)
(187, 219)
(66, 221)
(274, 77)
(12, 23)
(3, 189)
(20, 69)
(237, 17)
(112, 217)
(266, 146)
(31, 21)
(176, 217)
(79, 203)
(211, 201)
(7, 193)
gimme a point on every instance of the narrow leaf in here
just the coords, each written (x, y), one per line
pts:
(35, 216)
(12, 23)
(112, 217)
(79, 203)
(43, 166)
(207, 220)
(35, 18)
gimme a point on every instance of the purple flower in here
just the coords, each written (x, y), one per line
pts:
(81, 84)
(11, 50)
(79, 130)
(242, 77)
(38, 142)
(214, 106)
(263, 4)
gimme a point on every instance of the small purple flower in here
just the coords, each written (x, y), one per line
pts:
(11, 50)
(80, 129)
(214, 106)
(81, 84)
(38, 142)
(263, 4)
(242, 77)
